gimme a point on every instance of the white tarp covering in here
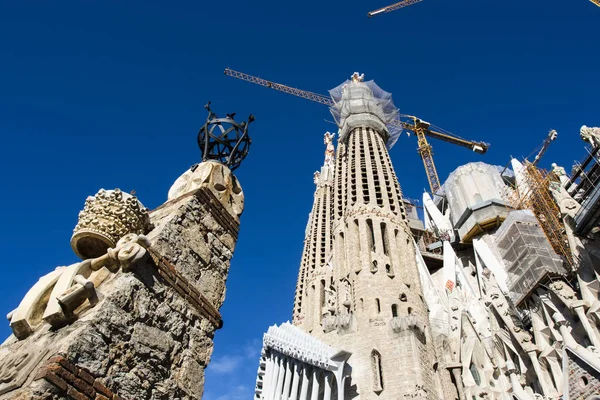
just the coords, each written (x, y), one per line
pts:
(355, 97)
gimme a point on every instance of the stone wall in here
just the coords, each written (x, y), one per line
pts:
(151, 334)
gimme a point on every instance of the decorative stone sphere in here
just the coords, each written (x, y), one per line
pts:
(106, 218)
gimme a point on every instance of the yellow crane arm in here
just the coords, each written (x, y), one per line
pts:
(596, 2)
(393, 7)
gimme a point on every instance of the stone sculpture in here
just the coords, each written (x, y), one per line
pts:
(111, 222)
(591, 135)
(218, 178)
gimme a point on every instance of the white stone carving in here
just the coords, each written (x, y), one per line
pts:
(356, 77)
(107, 217)
(216, 177)
(294, 342)
(591, 135)
(71, 286)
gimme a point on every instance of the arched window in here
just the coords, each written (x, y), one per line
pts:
(377, 371)
(371, 235)
(394, 310)
(384, 239)
(409, 310)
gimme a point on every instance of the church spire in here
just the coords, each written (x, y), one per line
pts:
(318, 239)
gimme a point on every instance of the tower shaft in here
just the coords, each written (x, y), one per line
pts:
(366, 298)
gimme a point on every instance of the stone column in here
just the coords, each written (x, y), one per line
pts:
(455, 369)
(327, 382)
(518, 391)
(305, 382)
(280, 378)
(267, 375)
(314, 395)
(288, 379)
(296, 381)
(274, 377)
(538, 370)
(578, 307)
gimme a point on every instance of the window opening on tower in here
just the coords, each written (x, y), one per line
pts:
(384, 239)
(357, 233)
(394, 310)
(322, 293)
(378, 304)
(363, 167)
(377, 371)
(371, 235)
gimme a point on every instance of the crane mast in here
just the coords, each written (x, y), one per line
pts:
(408, 122)
(396, 6)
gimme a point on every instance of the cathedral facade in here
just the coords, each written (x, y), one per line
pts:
(476, 300)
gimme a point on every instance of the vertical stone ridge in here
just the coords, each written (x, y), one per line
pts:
(367, 297)
(317, 242)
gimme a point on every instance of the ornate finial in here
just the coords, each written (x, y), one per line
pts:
(329, 150)
(229, 144)
(356, 77)
(106, 218)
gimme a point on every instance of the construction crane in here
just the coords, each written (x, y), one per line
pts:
(551, 136)
(401, 4)
(408, 122)
(596, 2)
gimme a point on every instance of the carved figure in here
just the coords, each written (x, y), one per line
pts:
(71, 286)
(346, 293)
(330, 149)
(560, 173)
(316, 177)
(566, 203)
(356, 77)
(591, 135)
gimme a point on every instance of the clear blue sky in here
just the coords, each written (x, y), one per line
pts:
(110, 94)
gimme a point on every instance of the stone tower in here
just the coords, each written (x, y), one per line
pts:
(317, 243)
(366, 298)
(136, 318)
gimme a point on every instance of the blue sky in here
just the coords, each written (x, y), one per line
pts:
(110, 94)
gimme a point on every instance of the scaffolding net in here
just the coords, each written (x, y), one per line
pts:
(353, 97)
(527, 254)
(535, 196)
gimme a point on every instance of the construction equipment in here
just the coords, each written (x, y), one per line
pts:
(596, 2)
(551, 136)
(401, 4)
(408, 122)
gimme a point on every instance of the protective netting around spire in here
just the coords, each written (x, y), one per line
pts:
(351, 98)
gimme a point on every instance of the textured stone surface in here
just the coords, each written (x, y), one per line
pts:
(146, 338)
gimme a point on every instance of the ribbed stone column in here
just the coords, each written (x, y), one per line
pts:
(327, 382)
(295, 381)
(288, 379)
(314, 395)
(580, 311)
(538, 370)
(305, 382)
